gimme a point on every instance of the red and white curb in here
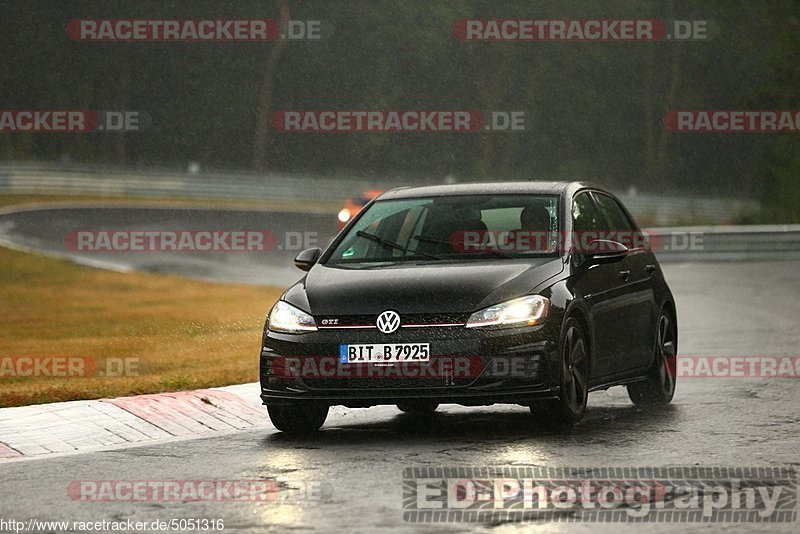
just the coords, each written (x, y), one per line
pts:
(42, 429)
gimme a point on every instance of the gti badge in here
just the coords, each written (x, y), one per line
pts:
(388, 322)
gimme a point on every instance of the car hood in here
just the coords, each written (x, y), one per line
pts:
(418, 288)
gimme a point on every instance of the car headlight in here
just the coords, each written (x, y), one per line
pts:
(344, 215)
(525, 311)
(286, 318)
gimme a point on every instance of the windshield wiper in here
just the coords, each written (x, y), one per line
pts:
(385, 243)
(428, 239)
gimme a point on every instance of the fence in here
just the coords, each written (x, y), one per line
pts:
(85, 180)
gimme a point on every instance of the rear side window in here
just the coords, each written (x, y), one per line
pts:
(613, 213)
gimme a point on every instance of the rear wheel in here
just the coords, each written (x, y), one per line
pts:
(659, 388)
(570, 407)
(298, 419)
(418, 407)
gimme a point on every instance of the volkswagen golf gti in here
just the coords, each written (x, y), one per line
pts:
(531, 293)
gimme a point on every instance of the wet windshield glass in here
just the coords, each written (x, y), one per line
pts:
(452, 228)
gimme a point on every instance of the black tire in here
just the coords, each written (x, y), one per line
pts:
(298, 419)
(570, 407)
(659, 388)
(418, 407)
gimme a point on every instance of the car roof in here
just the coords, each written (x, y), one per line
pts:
(488, 188)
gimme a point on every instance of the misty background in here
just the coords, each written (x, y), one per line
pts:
(593, 109)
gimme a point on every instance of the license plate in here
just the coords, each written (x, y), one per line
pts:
(385, 353)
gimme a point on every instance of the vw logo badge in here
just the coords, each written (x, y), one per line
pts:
(388, 322)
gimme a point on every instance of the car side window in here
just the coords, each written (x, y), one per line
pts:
(585, 216)
(613, 213)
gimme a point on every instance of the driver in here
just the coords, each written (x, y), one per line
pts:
(534, 233)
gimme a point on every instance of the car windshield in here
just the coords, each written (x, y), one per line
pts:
(452, 228)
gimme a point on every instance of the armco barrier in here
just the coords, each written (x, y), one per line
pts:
(728, 243)
(87, 180)
(716, 243)
(25, 179)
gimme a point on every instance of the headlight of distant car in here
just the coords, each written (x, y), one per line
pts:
(344, 215)
(525, 311)
(286, 318)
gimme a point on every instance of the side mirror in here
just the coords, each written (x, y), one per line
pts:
(307, 258)
(600, 251)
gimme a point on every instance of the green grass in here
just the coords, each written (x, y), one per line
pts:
(185, 334)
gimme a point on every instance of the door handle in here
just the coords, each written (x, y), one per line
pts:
(650, 268)
(624, 275)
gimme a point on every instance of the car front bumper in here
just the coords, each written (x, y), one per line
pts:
(467, 366)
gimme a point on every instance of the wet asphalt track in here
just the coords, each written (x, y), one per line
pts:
(47, 230)
(357, 460)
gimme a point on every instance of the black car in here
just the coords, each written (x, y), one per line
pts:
(531, 293)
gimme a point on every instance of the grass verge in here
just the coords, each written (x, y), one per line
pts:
(181, 333)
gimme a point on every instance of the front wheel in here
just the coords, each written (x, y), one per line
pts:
(659, 387)
(298, 419)
(570, 407)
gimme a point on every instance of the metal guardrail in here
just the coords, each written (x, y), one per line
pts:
(727, 243)
(88, 180)
(696, 243)
(82, 181)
